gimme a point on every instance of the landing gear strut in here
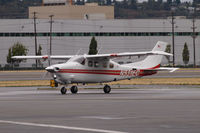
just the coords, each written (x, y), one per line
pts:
(106, 89)
(63, 90)
(74, 89)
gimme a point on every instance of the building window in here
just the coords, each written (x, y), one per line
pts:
(65, 34)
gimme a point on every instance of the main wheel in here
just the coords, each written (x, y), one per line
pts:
(63, 90)
(74, 89)
(106, 89)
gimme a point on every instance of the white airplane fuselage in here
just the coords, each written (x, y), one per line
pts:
(99, 72)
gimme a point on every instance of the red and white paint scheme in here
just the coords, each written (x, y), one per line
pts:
(101, 68)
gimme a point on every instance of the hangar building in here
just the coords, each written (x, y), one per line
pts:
(63, 9)
(70, 36)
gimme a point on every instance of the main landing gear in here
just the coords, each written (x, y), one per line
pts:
(63, 90)
(74, 90)
(106, 89)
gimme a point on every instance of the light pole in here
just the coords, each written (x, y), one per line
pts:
(35, 34)
(173, 45)
(194, 36)
(192, 11)
(51, 16)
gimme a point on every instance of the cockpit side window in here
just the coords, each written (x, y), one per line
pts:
(96, 64)
(83, 62)
(111, 65)
(90, 63)
(105, 65)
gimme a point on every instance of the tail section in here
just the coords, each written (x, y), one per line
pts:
(160, 46)
(151, 61)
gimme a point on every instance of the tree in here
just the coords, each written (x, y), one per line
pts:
(15, 50)
(108, 2)
(93, 1)
(125, 3)
(133, 4)
(78, 2)
(169, 2)
(177, 2)
(167, 5)
(168, 50)
(9, 59)
(185, 54)
(151, 4)
(93, 47)
(39, 52)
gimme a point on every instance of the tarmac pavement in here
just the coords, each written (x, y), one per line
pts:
(38, 75)
(144, 109)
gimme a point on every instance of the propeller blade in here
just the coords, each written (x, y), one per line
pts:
(46, 75)
(49, 60)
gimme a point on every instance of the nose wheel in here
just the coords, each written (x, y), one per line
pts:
(106, 89)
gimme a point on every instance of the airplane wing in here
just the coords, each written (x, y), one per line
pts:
(115, 55)
(43, 57)
(98, 56)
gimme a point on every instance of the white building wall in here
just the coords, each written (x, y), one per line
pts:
(70, 45)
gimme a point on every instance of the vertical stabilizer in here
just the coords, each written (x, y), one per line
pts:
(160, 46)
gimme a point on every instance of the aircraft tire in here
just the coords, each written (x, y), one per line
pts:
(74, 89)
(63, 90)
(106, 89)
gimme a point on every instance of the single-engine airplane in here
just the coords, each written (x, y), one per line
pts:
(101, 68)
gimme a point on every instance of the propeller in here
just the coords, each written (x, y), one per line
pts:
(49, 69)
(52, 69)
(46, 74)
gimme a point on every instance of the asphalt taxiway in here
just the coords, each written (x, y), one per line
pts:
(38, 75)
(144, 109)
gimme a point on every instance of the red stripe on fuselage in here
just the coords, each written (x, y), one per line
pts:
(90, 70)
(103, 72)
(86, 71)
(155, 67)
(143, 73)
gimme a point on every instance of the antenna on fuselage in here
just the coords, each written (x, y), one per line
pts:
(99, 50)
(78, 51)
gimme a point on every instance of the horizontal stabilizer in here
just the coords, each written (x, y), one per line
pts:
(170, 69)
